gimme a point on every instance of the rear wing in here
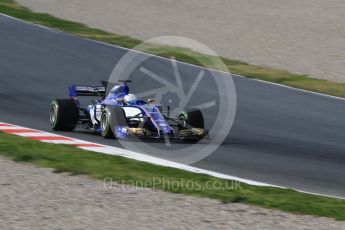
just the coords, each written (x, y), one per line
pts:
(88, 91)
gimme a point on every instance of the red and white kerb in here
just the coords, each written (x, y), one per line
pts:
(45, 136)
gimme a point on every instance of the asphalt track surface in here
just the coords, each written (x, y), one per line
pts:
(280, 135)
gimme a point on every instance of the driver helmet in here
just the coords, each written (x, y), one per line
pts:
(130, 99)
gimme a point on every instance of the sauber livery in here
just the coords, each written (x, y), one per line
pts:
(121, 115)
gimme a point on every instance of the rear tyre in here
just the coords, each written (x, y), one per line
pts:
(106, 131)
(119, 119)
(112, 117)
(119, 116)
(63, 114)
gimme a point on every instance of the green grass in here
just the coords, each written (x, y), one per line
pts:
(11, 8)
(63, 158)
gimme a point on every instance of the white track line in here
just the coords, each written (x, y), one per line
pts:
(34, 134)
(110, 150)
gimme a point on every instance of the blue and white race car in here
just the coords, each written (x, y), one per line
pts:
(121, 114)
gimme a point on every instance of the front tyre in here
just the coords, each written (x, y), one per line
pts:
(192, 128)
(193, 118)
(63, 114)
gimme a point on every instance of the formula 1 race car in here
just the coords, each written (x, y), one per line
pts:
(120, 114)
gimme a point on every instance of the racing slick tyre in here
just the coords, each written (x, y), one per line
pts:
(119, 119)
(63, 115)
(112, 117)
(106, 124)
(192, 117)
